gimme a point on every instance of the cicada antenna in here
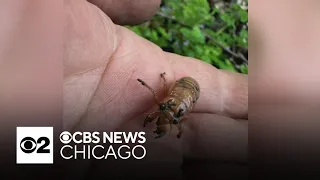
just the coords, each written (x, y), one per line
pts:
(155, 95)
(165, 83)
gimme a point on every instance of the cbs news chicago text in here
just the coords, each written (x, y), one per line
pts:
(83, 139)
(35, 145)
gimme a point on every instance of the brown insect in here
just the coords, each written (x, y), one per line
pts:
(178, 102)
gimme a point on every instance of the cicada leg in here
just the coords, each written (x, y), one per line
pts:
(170, 123)
(160, 132)
(179, 126)
(151, 117)
(162, 123)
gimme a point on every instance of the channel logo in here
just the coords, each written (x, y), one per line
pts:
(65, 137)
(85, 145)
(34, 145)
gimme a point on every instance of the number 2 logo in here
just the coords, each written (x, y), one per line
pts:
(29, 145)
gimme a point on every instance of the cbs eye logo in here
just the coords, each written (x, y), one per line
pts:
(29, 145)
(34, 145)
(65, 137)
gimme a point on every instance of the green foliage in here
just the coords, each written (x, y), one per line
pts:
(216, 34)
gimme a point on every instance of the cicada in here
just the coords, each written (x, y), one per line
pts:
(173, 109)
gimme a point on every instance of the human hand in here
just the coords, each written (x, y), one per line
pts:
(101, 64)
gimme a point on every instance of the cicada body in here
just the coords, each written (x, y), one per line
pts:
(174, 108)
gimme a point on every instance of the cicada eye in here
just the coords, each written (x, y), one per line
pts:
(28, 145)
(162, 107)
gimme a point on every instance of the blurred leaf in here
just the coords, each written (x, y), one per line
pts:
(243, 16)
(244, 69)
(194, 35)
(163, 32)
(243, 38)
(228, 19)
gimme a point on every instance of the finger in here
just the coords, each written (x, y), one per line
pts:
(221, 92)
(214, 137)
(129, 12)
(90, 38)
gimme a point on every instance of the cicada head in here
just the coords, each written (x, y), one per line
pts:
(166, 105)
